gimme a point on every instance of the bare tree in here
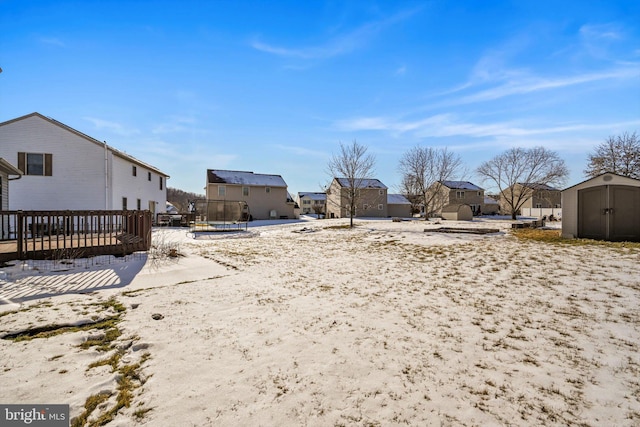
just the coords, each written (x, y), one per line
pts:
(618, 154)
(354, 166)
(423, 171)
(514, 171)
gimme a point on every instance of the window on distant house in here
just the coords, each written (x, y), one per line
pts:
(161, 183)
(245, 191)
(381, 192)
(139, 204)
(134, 170)
(538, 205)
(36, 164)
(267, 189)
(365, 206)
(459, 194)
(124, 203)
(1, 206)
(149, 176)
(380, 206)
(222, 191)
(306, 202)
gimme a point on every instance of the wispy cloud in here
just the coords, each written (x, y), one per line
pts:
(301, 151)
(174, 124)
(449, 125)
(53, 41)
(341, 44)
(116, 128)
(526, 85)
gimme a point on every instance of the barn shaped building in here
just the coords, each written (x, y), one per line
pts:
(606, 207)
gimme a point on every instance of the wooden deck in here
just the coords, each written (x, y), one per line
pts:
(38, 235)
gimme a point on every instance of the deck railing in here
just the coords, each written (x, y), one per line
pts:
(72, 234)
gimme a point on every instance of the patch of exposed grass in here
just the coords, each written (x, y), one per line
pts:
(129, 379)
(554, 236)
(53, 330)
(90, 405)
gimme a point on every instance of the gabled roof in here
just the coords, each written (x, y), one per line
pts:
(461, 185)
(312, 196)
(537, 186)
(362, 183)
(115, 152)
(219, 176)
(397, 199)
(632, 180)
(490, 201)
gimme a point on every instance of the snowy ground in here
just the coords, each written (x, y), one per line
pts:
(309, 323)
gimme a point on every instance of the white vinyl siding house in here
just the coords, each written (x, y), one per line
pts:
(68, 170)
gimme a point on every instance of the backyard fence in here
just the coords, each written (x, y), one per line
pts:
(540, 212)
(72, 234)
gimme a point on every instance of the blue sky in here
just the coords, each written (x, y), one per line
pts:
(275, 86)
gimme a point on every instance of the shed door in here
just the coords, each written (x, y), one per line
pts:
(592, 220)
(624, 208)
(609, 213)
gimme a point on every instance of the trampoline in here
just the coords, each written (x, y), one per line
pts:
(218, 215)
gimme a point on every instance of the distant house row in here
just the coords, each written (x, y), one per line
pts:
(55, 167)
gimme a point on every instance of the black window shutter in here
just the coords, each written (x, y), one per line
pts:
(48, 164)
(22, 162)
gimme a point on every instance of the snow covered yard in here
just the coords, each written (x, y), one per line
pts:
(311, 323)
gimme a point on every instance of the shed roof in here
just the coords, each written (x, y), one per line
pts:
(631, 181)
(461, 185)
(313, 196)
(219, 176)
(397, 199)
(490, 201)
(362, 183)
(455, 207)
(537, 186)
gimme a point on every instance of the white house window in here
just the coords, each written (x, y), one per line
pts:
(139, 204)
(161, 184)
(124, 203)
(134, 171)
(149, 176)
(380, 206)
(459, 194)
(35, 163)
(267, 189)
(222, 190)
(245, 191)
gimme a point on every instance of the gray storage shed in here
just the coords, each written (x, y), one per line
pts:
(606, 207)
(455, 212)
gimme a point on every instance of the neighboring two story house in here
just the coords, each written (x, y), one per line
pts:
(458, 193)
(266, 195)
(371, 200)
(311, 203)
(536, 195)
(64, 169)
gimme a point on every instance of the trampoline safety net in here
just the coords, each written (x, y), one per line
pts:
(218, 215)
